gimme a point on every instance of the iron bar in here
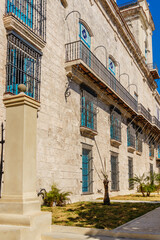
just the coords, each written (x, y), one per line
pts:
(1, 163)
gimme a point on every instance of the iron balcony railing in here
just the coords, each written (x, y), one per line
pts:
(152, 66)
(32, 13)
(144, 112)
(77, 50)
(115, 132)
(128, 4)
(156, 122)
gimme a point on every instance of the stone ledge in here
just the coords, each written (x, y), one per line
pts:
(131, 149)
(88, 132)
(12, 23)
(115, 143)
(138, 153)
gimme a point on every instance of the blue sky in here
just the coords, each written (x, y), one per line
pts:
(154, 6)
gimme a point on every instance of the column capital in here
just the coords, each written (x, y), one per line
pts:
(20, 99)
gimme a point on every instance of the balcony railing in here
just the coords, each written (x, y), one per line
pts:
(144, 112)
(156, 122)
(128, 4)
(77, 50)
(152, 66)
(153, 70)
(31, 13)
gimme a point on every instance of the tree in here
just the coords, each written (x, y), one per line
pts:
(106, 199)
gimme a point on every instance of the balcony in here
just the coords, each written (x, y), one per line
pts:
(128, 4)
(28, 19)
(153, 70)
(156, 122)
(144, 112)
(77, 54)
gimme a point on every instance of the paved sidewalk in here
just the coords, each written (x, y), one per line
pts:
(142, 228)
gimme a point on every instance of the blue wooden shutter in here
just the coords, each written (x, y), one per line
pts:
(85, 170)
(84, 35)
(83, 120)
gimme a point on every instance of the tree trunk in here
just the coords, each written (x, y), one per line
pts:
(106, 199)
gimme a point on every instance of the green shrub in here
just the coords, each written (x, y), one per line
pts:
(56, 197)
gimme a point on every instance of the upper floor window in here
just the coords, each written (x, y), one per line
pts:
(31, 13)
(131, 136)
(112, 66)
(139, 141)
(23, 67)
(84, 35)
(151, 149)
(115, 126)
(88, 111)
(158, 151)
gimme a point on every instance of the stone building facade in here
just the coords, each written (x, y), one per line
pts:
(90, 65)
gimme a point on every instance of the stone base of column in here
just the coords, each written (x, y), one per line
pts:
(24, 227)
(19, 206)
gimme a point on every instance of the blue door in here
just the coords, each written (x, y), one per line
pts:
(85, 170)
(85, 53)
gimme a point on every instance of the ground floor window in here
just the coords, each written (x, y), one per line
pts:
(151, 168)
(87, 170)
(23, 67)
(130, 172)
(114, 173)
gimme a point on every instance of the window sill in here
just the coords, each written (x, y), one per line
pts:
(115, 143)
(88, 132)
(131, 149)
(11, 23)
(138, 153)
(87, 193)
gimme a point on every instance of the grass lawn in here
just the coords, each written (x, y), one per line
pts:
(138, 197)
(96, 215)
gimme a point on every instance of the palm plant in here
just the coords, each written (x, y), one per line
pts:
(140, 181)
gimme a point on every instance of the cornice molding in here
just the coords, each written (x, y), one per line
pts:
(11, 23)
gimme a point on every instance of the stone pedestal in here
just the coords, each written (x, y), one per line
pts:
(20, 215)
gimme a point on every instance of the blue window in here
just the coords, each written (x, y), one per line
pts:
(114, 173)
(23, 67)
(158, 151)
(151, 149)
(87, 171)
(22, 9)
(131, 137)
(84, 35)
(112, 67)
(88, 111)
(115, 127)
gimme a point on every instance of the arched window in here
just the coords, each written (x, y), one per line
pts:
(84, 35)
(112, 66)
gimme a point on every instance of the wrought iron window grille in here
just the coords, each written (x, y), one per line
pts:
(32, 13)
(87, 171)
(23, 67)
(88, 110)
(130, 172)
(115, 126)
(114, 173)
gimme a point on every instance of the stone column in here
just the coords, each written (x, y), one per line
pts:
(20, 205)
